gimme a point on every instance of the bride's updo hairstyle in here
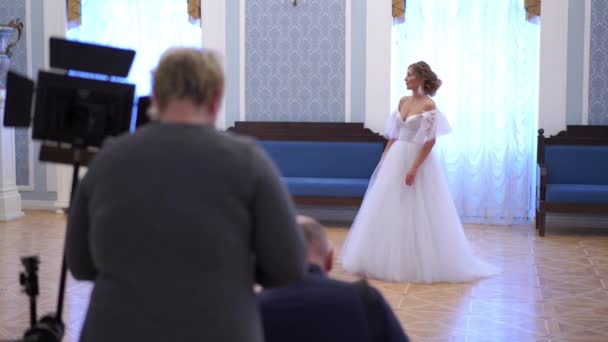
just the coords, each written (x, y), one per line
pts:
(429, 79)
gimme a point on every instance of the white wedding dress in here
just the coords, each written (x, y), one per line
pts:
(411, 233)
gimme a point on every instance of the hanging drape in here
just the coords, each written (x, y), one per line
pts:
(74, 9)
(147, 26)
(486, 53)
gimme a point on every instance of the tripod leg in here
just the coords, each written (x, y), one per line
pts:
(33, 314)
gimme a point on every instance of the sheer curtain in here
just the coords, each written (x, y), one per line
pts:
(147, 26)
(486, 53)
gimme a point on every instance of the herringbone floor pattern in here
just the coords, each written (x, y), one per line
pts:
(551, 289)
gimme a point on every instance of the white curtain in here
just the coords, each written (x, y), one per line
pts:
(486, 53)
(147, 26)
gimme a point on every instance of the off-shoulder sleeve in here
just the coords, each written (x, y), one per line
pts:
(391, 128)
(432, 125)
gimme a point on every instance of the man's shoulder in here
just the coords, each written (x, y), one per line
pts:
(311, 286)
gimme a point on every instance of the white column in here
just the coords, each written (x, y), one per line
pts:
(213, 24)
(553, 66)
(377, 63)
(10, 200)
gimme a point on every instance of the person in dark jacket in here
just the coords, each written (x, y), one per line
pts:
(321, 309)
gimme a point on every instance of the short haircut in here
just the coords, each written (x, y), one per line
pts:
(187, 74)
(314, 233)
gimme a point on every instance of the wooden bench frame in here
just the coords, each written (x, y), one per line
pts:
(311, 131)
(574, 135)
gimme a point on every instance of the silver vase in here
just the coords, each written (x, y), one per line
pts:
(6, 33)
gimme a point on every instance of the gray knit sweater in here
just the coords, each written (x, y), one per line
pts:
(174, 224)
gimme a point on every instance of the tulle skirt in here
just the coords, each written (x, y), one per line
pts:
(410, 233)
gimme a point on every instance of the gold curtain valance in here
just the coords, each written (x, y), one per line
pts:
(532, 8)
(194, 11)
(74, 13)
(398, 9)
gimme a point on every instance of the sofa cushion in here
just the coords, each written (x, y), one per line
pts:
(320, 159)
(326, 187)
(577, 193)
(569, 164)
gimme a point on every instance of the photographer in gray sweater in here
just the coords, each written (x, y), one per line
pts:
(174, 224)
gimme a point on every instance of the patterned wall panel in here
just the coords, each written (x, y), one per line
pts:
(598, 65)
(294, 60)
(9, 10)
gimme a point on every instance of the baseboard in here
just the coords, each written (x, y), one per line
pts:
(329, 214)
(38, 205)
(576, 220)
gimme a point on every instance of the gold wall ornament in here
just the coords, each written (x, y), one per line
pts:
(194, 11)
(398, 9)
(6, 32)
(74, 13)
(532, 8)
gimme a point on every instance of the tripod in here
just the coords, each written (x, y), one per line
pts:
(51, 328)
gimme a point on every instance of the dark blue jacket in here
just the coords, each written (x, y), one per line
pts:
(322, 309)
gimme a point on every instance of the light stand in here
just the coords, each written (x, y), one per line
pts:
(73, 111)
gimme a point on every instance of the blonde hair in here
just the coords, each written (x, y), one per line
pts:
(187, 74)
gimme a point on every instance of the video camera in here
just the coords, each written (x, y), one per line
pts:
(72, 116)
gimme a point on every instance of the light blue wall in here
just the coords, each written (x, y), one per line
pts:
(598, 64)
(295, 60)
(9, 10)
(291, 60)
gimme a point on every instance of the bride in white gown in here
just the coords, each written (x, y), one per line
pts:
(407, 228)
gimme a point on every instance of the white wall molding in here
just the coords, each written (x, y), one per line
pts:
(213, 24)
(39, 205)
(553, 66)
(347, 60)
(242, 114)
(586, 61)
(10, 199)
(55, 26)
(377, 63)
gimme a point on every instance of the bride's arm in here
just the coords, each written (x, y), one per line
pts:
(422, 155)
(388, 145)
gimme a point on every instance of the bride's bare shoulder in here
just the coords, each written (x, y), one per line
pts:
(428, 104)
(403, 100)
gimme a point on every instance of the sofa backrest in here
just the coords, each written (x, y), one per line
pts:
(321, 159)
(576, 164)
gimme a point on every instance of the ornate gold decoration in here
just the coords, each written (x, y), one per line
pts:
(74, 13)
(194, 10)
(532, 8)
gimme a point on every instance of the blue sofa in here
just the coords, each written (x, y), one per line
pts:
(325, 169)
(321, 163)
(573, 176)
